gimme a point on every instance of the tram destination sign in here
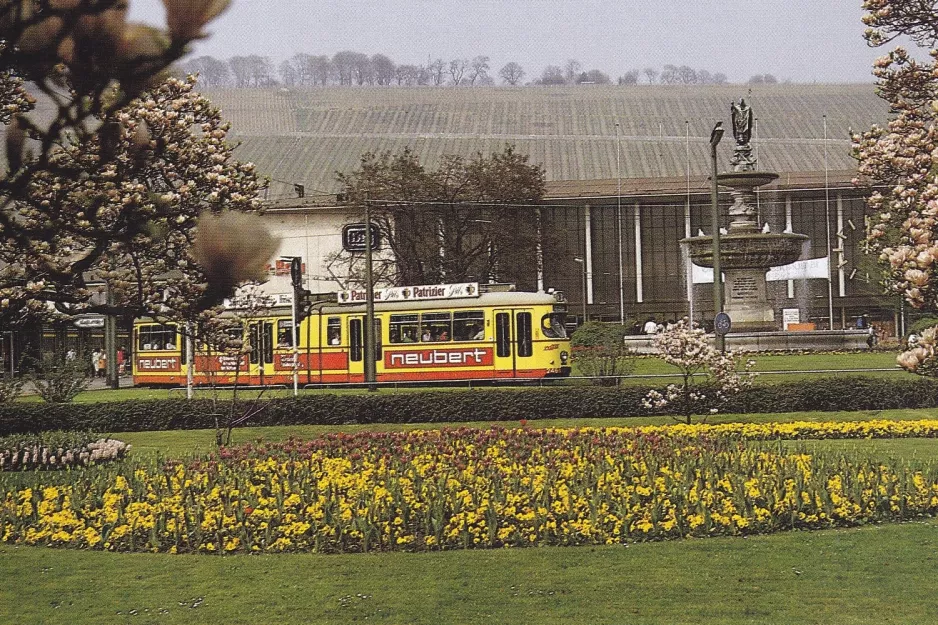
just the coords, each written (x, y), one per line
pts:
(412, 293)
(353, 237)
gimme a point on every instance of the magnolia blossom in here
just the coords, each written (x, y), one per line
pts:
(690, 350)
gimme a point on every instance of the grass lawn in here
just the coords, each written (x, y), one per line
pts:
(876, 574)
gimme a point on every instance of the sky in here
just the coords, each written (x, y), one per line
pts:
(811, 41)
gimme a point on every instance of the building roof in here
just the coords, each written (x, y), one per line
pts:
(305, 135)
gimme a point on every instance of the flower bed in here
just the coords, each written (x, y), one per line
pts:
(471, 488)
(58, 450)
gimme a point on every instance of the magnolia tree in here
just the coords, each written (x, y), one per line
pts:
(708, 376)
(901, 158)
(109, 183)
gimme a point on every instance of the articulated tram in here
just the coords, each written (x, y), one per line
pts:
(422, 334)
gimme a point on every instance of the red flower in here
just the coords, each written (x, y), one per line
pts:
(523, 422)
(248, 510)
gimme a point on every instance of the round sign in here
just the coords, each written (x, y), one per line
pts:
(721, 323)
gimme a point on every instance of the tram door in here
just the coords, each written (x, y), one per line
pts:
(356, 342)
(262, 350)
(504, 347)
(514, 342)
(524, 342)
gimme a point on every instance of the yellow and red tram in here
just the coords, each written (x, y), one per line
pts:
(423, 334)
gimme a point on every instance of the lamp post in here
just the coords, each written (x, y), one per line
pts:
(582, 261)
(715, 136)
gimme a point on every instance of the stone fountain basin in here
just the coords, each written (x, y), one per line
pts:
(745, 179)
(748, 250)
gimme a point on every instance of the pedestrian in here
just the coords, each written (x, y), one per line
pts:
(650, 326)
(95, 357)
(121, 360)
(102, 364)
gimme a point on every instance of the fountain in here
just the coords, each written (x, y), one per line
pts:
(746, 251)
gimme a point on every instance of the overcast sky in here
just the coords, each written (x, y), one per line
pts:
(798, 40)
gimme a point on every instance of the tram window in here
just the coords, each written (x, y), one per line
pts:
(552, 326)
(156, 337)
(436, 327)
(284, 336)
(404, 328)
(523, 323)
(503, 334)
(355, 339)
(468, 325)
(334, 331)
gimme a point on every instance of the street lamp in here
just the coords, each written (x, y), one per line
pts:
(583, 262)
(715, 137)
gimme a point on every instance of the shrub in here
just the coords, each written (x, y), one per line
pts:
(59, 379)
(599, 350)
(559, 402)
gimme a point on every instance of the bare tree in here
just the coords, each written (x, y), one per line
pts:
(383, 69)
(288, 74)
(552, 75)
(362, 69)
(460, 222)
(669, 75)
(629, 78)
(686, 75)
(457, 68)
(571, 71)
(302, 65)
(719, 78)
(594, 77)
(651, 74)
(437, 71)
(322, 69)
(344, 63)
(478, 69)
(212, 72)
(511, 73)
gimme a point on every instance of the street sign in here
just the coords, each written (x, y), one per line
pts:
(353, 237)
(722, 323)
(89, 322)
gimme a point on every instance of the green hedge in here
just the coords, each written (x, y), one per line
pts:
(569, 402)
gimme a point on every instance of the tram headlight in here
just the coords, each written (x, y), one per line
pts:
(564, 356)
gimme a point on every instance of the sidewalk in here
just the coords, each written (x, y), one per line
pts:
(100, 384)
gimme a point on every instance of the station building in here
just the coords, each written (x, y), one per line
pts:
(627, 178)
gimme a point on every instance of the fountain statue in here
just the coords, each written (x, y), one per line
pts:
(746, 251)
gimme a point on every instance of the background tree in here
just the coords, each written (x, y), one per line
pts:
(594, 77)
(457, 69)
(212, 72)
(437, 71)
(463, 221)
(288, 74)
(651, 74)
(552, 75)
(478, 70)
(512, 73)
(344, 64)
(383, 69)
(571, 71)
(629, 78)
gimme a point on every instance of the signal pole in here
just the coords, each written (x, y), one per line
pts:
(370, 373)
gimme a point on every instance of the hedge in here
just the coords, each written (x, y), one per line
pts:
(568, 402)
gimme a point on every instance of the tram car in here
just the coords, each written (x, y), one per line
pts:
(422, 334)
